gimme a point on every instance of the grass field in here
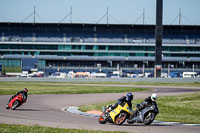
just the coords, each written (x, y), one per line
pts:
(183, 109)
(194, 84)
(6, 128)
(10, 88)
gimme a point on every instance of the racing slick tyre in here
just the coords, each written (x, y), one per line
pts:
(102, 119)
(15, 105)
(121, 118)
(149, 117)
(130, 121)
(7, 106)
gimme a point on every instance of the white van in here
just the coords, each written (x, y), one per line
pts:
(98, 75)
(189, 74)
(58, 75)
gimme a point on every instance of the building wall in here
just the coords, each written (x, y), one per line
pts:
(66, 45)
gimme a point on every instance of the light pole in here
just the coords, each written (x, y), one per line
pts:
(143, 71)
(193, 67)
(168, 69)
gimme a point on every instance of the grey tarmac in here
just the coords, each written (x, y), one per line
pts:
(45, 110)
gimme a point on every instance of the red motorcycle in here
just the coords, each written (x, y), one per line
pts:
(16, 101)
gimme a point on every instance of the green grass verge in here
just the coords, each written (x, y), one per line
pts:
(183, 109)
(6, 128)
(193, 84)
(10, 88)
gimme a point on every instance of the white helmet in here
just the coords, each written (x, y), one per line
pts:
(154, 97)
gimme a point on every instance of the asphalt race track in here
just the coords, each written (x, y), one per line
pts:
(45, 110)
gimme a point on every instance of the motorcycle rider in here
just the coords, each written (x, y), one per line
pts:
(23, 92)
(147, 102)
(124, 99)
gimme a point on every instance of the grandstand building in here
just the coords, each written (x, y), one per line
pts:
(56, 45)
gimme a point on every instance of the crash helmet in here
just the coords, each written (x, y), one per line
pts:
(154, 97)
(129, 96)
(25, 90)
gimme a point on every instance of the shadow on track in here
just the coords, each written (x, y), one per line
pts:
(142, 125)
(28, 110)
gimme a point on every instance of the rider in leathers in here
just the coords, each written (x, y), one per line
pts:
(23, 92)
(147, 102)
(124, 99)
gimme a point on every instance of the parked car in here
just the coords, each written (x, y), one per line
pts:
(198, 74)
(175, 74)
(58, 75)
(164, 75)
(98, 75)
(148, 74)
(36, 74)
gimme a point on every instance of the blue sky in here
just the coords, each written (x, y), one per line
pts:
(90, 11)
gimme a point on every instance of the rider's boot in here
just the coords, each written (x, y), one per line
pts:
(135, 113)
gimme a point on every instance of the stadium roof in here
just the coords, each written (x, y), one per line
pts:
(16, 26)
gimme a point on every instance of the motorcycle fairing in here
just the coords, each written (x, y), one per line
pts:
(16, 98)
(118, 110)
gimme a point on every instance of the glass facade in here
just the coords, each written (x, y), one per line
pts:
(92, 44)
(97, 50)
(10, 63)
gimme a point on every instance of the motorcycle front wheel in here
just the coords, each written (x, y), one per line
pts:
(7, 106)
(130, 121)
(149, 117)
(121, 118)
(102, 118)
(15, 105)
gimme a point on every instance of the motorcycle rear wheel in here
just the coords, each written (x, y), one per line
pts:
(130, 121)
(102, 119)
(15, 105)
(121, 118)
(149, 117)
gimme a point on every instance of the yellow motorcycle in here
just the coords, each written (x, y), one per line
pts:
(117, 116)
